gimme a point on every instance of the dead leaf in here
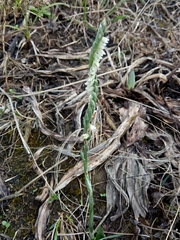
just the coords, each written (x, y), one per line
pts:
(130, 180)
(105, 149)
(43, 128)
(137, 132)
(41, 222)
(115, 169)
(3, 189)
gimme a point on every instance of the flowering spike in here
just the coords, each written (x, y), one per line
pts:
(99, 36)
(95, 57)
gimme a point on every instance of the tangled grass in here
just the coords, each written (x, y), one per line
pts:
(134, 152)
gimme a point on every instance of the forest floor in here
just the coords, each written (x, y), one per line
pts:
(134, 152)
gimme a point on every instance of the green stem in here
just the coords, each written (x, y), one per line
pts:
(84, 156)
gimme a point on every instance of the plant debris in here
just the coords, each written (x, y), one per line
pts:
(43, 70)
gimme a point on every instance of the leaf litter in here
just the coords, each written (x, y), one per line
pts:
(137, 127)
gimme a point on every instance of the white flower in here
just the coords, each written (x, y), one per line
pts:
(85, 136)
(105, 40)
(93, 128)
(96, 63)
(89, 89)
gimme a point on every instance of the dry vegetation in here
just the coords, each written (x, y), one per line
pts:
(135, 150)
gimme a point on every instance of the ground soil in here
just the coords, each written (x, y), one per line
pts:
(42, 103)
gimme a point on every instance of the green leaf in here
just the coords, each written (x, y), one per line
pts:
(47, 13)
(13, 27)
(52, 226)
(115, 7)
(53, 197)
(5, 224)
(34, 9)
(35, 190)
(12, 91)
(103, 194)
(69, 219)
(131, 80)
(82, 156)
(118, 18)
(100, 233)
(113, 236)
(142, 2)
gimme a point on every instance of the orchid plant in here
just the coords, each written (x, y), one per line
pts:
(95, 57)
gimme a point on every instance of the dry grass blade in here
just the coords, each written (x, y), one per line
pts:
(115, 188)
(43, 128)
(135, 143)
(137, 183)
(17, 123)
(3, 189)
(99, 157)
(40, 225)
